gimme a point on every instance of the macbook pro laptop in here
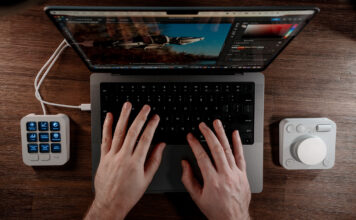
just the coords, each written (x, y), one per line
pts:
(190, 64)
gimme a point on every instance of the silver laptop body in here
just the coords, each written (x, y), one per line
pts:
(255, 36)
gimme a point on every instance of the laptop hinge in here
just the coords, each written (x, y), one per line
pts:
(153, 73)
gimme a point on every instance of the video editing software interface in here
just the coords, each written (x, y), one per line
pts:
(244, 40)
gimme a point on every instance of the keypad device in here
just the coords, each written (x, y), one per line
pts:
(45, 139)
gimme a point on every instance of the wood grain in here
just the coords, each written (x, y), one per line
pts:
(314, 77)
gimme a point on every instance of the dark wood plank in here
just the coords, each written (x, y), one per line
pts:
(314, 77)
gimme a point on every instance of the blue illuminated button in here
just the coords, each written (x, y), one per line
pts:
(32, 148)
(55, 126)
(56, 148)
(44, 137)
(31, 126)
(31, 137)
(43, 126)
(55, 137)
(44, 148)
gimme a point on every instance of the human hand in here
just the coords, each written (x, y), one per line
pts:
(225, 193)
(123, 174)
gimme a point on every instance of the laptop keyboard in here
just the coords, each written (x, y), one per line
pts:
(182, 106)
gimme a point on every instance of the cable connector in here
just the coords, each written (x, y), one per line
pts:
(85, 107)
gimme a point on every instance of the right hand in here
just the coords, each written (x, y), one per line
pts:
(225, 193)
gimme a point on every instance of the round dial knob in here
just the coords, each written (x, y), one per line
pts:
(310, 150)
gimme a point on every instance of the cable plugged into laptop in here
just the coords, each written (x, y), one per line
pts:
(85, 107)
(44, 71)
(45, 138)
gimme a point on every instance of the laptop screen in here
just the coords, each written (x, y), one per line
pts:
(242, 40)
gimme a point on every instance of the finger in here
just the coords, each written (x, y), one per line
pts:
(219, 129)
(135, 129)
(154, 161)
(215, 147)
(238, 151)
(146, 139)
(107, 134)
(190, 182)
(203, 160)
(121, 127)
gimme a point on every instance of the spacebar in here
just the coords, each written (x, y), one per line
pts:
(175, 139)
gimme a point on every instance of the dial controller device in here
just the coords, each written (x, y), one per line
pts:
(307, 143)
(45, 139)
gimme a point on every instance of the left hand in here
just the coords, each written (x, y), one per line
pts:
(124, 174)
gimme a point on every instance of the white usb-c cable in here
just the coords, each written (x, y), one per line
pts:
(47, 67)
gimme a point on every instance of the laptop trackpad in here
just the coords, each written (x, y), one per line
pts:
(169, 174)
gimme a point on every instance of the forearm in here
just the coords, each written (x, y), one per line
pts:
(97, 211)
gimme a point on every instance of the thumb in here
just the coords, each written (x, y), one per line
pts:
(154, 160)
(190, 182)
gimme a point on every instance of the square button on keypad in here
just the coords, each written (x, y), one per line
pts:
(55, 148)
(44, 148)
(44, 137)
(31, 126)
(32, 137)
(55, 137)
(55, 126)
(32, 148)
(43, 125)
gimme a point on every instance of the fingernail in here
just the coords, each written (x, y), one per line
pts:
(156, 117)
(202, 124)
(126, 105)
(189, 136)
(219, 123)
(146, 107)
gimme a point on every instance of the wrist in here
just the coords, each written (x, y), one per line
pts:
(100, 211)
(242, 215)
(245, 216)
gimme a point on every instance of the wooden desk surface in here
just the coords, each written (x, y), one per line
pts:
(314, 77)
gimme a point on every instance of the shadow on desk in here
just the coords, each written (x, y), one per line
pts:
(185, 206)
(274, 137)
(161, 206)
